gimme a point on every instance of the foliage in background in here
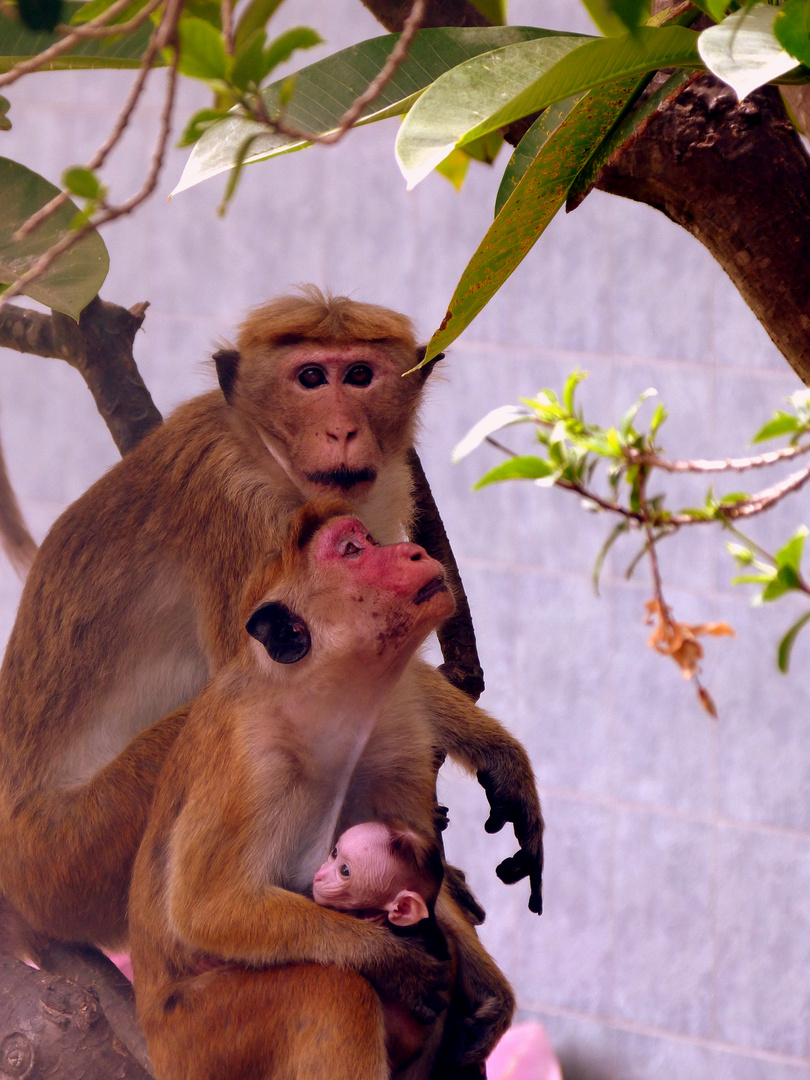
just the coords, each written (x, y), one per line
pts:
(611, 470)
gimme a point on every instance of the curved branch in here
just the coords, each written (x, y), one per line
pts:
(100, 348)
(456, 636)
(737, 177)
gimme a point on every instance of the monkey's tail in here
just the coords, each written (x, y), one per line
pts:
(15, 538)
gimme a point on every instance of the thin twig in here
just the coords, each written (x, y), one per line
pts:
(163, 33)
(91, 30)
(771, 457)
(72, 38)
(226, 9)
(103, 151)
(371, 93)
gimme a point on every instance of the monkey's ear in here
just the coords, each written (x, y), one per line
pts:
(406, 909)
(426, 370)
(284, 634)
(227, 361)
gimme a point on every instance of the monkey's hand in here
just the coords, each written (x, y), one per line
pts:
(507, 802)
(414, 979)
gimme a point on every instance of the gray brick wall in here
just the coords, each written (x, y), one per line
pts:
(676, 938)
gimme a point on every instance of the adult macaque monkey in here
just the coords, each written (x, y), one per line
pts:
(133, 602)
(236, 974)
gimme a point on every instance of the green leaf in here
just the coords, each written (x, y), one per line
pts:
(780, 424)
(526, 467)
(325, 90)
(91, 10)
(570, 388)
(199, 123)
(282, 48)
(255, 17)
(743, 50)
(597, 63)
(454, 168)
(18, 43)
(530, 146)
(485, 149)
(790, 555)
(249, 68)
(792, 29)
(464, 96)
(531, 206)
(77, 275)
(623, 130)
(459, 107)
(82, 182)
(632, 13)
(504, 416)
(494, 10)
(40, 14)
(787, 642)
(202, 50)
(602, 13)
(602, 554)
(5, 105)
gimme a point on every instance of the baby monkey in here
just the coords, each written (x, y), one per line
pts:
(390, 874)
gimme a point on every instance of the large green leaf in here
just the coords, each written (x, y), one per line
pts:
(743, 49)
(467, 95)
(531, 206)
(325, 90)
(594, 63)
(17, 43)
(76, 276)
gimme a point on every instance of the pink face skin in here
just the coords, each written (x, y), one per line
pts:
(401, 582)
(362, 875)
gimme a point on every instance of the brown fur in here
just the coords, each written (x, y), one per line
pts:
(244, 811)
(133, 602)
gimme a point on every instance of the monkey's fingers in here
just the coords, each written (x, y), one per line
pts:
(524, 864)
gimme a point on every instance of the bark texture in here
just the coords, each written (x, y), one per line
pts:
(53, 1028)
(100, 348)
(737, 177)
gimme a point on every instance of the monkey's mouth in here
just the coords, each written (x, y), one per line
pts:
(429, 590)
(343, 478)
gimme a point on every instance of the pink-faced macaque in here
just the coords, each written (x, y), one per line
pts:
(306, 732)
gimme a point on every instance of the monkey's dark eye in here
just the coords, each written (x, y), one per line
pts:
(359, 375)
(310, 377)
(350, 549)
(334, 852)
(344, 870)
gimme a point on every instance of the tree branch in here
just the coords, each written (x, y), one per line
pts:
(52, 1026)
(737, 177)
(100, 348)
(456, 636)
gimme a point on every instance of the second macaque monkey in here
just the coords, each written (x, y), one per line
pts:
(389, 874)
(237, 973)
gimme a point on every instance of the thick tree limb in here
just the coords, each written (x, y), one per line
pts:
(737, 177)
(52, 1028)
(393, 13)
(100, 348)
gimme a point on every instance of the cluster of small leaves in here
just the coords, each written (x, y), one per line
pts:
(235, 76)
(573, 450)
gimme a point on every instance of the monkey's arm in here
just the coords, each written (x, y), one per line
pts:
(217, 905)
(477, 742)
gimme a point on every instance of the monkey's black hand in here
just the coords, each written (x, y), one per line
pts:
(415, 979)
(522, 865)
(509, 802)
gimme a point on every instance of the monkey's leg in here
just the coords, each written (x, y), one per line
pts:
(300, 1022)
(66, 857)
